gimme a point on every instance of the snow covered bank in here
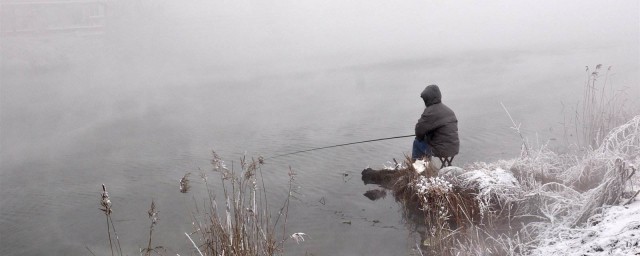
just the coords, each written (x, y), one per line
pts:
(597, 212)
(542, 203)
(615, 231)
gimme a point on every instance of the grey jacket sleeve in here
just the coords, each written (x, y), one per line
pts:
(426, 123)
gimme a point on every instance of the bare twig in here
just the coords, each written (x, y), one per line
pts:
(632, 198)
(517, 128)
(194, 244)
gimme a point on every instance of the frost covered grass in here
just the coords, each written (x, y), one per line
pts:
(603, 108)
(440, 209)
(542, 203)
(603, 183)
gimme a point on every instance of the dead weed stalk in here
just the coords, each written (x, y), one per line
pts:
(105, 203)
(245, 225)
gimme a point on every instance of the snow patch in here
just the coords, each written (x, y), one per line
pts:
(420, 166)
(615, 231)
(451, 172)
(437, 185)
(488, 179)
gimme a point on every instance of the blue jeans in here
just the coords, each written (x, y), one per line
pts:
(420, 150)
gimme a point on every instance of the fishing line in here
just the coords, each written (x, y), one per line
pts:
(340, 145)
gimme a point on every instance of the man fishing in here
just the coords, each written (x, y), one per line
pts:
(436, 130)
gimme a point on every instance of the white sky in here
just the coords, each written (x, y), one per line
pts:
(303, 29)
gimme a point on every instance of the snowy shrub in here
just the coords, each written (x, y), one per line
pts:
(585, 222)
(542, 203)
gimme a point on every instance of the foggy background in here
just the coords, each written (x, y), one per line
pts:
(142, 97)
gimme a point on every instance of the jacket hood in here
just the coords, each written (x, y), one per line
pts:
(431, 95)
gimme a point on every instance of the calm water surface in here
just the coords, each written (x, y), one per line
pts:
(66, 131)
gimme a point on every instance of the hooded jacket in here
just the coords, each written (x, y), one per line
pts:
(438, 124)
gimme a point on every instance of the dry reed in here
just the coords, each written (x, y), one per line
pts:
(245, 225)
(153, 216)
(184, 183)
(105, 203)
(603, 108)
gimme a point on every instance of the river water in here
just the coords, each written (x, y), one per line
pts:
(67, 130)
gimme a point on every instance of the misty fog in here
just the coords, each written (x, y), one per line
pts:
(142, 97)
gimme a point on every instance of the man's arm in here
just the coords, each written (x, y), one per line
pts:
(425, 124)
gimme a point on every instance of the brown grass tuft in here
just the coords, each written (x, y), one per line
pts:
(244, 226)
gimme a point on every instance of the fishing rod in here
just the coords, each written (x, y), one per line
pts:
(340, 145)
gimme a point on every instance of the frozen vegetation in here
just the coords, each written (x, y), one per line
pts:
(597, 212)
(542, 203)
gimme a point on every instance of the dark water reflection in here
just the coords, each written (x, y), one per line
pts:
(65, 132)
